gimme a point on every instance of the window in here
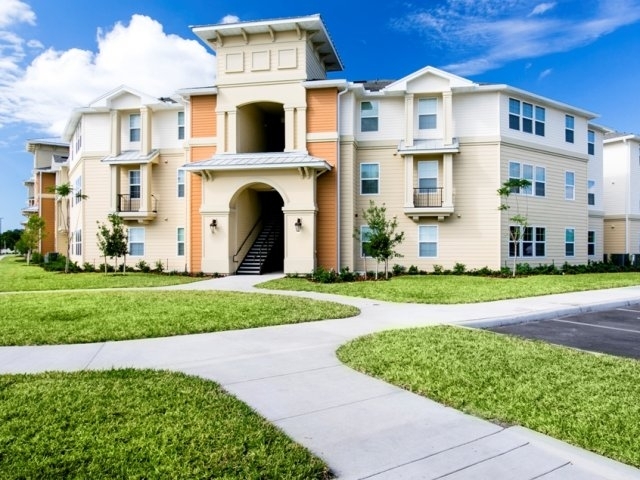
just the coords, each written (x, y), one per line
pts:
(180, 125)
(569, 242)
(365, 235)
(134, 183)
(369, 178)
(526, 117)
(427, 113)
(569, 123)
(180, 241)
(369, 116)
(136, 241)
(569, 186)
(591, 242)
(527, 241)
(77, 191)
(180, 183)
(134, 127)
(591, 142)
(76, 245)
(591, 194)
(535, 175)
(428, 241)
(427, 175)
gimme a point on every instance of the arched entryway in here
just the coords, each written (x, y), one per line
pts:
(259, 230)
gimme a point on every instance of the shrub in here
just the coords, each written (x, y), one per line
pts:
(438, 269)
(322, 275)
(523, 269)
(159, 266)
(398, 270)
(459, 268)
(88, 267)
(109, 268)
(37, 258)
(58, 265)
(346, 275)
(413, 270)
(143, 266)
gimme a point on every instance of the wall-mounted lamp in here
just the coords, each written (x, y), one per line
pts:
(298, 224)
(213, 225)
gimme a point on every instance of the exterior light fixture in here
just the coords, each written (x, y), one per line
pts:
(213, 225)
(298, 225)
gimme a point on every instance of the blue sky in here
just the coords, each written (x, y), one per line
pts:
(55, 56)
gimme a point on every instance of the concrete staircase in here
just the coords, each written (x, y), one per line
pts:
(265, 253)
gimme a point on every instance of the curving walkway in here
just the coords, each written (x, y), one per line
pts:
(362, 427)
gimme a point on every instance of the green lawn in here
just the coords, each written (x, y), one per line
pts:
(16, 276)
(139, 424)
(589, 400)
(460, 288)
(80, 317)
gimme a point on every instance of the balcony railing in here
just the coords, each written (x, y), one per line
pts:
(427, 197)
(128, 204)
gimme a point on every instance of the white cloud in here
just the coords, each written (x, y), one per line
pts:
(140, 55)
(15, 11)
(545, 73)
(542, 8)
(487, 34)
(230, 19)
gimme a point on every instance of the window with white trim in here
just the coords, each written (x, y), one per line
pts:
(77, 191)
(134, 183)
(569, 128)
(427, 113)
(591, 142)
(134, 127)
(365, 235)
(569, 185)
(369, 116)
(427, 175)
(535, 175)
(591, 192)
(180, 241)
(136, 241)
(428, 241)
(181, 177)
(591, 243)
(369, 178)
(526, 117)
(76, 245)
(527, 241)
(180, 125)
(569, 242)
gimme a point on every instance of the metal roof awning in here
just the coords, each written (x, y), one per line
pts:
(428, 146)
(132, 157)
(258, 161)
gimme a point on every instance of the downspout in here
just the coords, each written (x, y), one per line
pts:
(339, 206)
(628, 201)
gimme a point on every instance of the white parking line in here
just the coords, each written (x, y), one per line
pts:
(597, 326)
(628, 310)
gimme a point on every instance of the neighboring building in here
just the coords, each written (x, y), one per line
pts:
(622, 193)
(49, 169)
(278, 163)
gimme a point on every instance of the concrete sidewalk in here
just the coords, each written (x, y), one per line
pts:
(362, 427)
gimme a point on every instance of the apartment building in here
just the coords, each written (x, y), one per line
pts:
(272, 167)
(621, 193)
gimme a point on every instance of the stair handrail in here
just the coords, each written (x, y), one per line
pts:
(247, 238)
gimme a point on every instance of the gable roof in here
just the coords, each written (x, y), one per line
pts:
(454, 80)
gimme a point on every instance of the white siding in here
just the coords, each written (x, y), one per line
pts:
(476, 115)
(165, 130)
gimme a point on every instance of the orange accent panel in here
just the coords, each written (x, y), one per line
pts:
(203, 116)
(327, 201)
(48, 214)
(322, 108)
(195, 201)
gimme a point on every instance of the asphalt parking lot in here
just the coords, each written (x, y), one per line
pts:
(615, 332)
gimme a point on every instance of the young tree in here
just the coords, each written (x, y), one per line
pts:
(112, 241)
(382, 238)
(516, 232)
(64, 192)
(32, 235)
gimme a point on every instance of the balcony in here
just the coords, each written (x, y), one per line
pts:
(131, 208)
(428, 202)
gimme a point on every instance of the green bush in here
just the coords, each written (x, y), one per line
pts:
(413, 270)
(37, 258)
(143, 266)
(322, 275)
(438, 270)
(159, 266)
(88, 267)
(346, 275)
(109, 268)
(398, 270)
(459, 268)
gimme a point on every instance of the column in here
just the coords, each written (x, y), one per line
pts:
(115, 133)
(409, 119)
(289, 129)
(447, 201)
(447, 110)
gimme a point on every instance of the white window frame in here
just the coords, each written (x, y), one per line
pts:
(369, 114)
(569, 185)
(369, 179)
(428, 111)
(133, 182)
(527, 117)
(428, 235)
(591, 142)
(180, 181)
(135, 236)
(135, 130)
(365, 232)
(591, 242)
(569, 128)
(77, 191)
(591, 192)
(530, 245)
(428, 168)
(569, 244)
(180, 243)
(180, 125)
(535, 174)
(77, 243)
